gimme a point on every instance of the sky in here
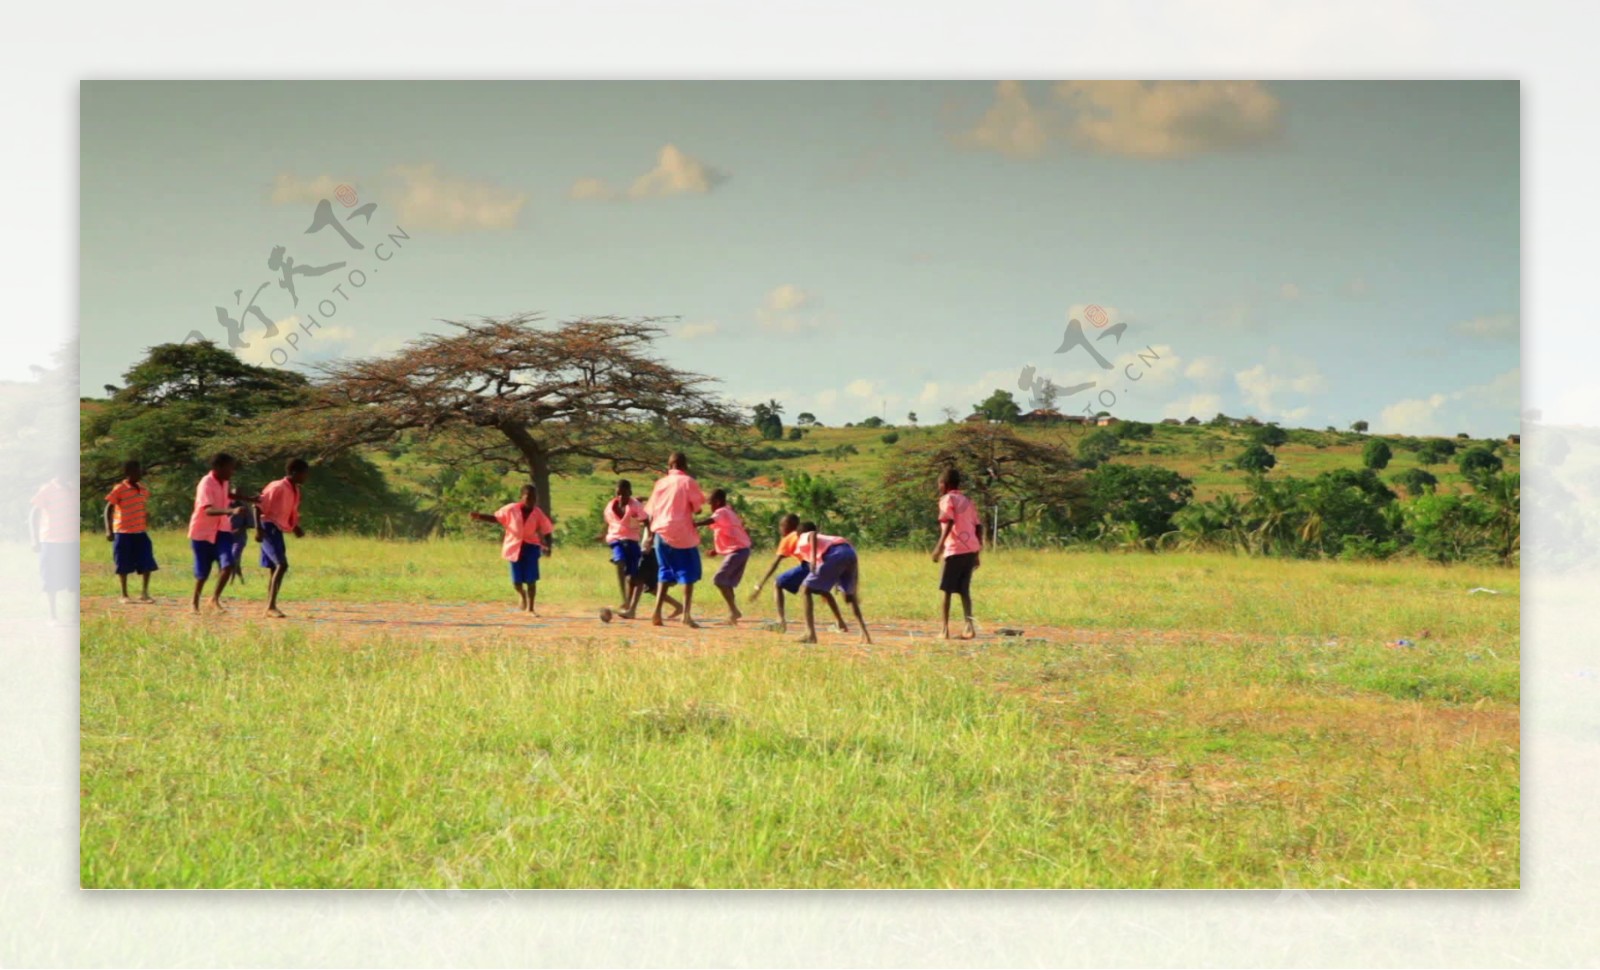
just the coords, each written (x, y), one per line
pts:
(1312, 253)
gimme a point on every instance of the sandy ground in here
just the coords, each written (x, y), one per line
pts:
(495, 621)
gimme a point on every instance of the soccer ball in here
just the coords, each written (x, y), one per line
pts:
(605, 614)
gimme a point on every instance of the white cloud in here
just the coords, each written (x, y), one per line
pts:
(1498, 326)
(1202, 406)
(695, 331)
(1011, 126)
(676, 173)
(1427, 415)
(290, 189)
(788, 309)
(1204, 370)
(426, 199)
(1169, 119)
(786, 297)
(294, 344)
(862, 388)
(1264, 389)
(929, 394)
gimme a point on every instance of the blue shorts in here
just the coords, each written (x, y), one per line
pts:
(525, 568)
(790, 579)
(627, 552)
(274, 548)
(678, 565)
(207, 554)
(131, 552)
(838, 568)
(240, 540)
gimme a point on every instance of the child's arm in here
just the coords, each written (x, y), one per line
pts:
(776, 562)
(944, 534)
(109, 510)
(480, 517)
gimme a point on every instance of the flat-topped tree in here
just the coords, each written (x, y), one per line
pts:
(532, 395)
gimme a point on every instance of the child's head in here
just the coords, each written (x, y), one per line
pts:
(297, 470)
(806, 527)
(679, 461)
(529, 494)
(789, 523)
(222, 466)
(132, 470)
(624, 488)
(718, 498)
(949, 481)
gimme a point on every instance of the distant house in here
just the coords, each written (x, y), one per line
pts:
(1192, 421)
(1252, 422)
(1105, 421)
(1075, 418)
(1042, 416)
(1170, 421)
(977, 416)
(1515, 439)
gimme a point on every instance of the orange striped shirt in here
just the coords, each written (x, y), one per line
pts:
(127, 502)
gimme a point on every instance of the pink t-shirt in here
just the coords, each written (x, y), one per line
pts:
(211, 492)
(818, 542)
(521, 529)
(727, 531)
(673, 503)
(280, 504)
(964, 537)
(58, 512)
(624, 526)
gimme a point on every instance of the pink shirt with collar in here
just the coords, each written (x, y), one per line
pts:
(210, 493)
(280, 504)
(672, 506)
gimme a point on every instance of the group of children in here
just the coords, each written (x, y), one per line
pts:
(655, 545)
(219, 528)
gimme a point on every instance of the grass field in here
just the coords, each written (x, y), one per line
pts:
(1164, 721)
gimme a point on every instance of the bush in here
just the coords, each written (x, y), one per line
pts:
(891, 437)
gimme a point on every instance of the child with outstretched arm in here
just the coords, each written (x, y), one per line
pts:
(278, 512)
(789, 529)
(732, 543)
(131, 550)
(960, 541)
(833, 565)
(527, 536)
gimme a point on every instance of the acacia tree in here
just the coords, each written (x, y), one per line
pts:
(515, 391)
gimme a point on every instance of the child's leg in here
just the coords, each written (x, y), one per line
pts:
(966, 608)
(833, 605)
(733, 607)
(945, 616)
(677, 607)
(123, 578)
(222, 583)
(275, 575)
(533, 593)
(522, 595)
(811, 623)
(783, 621)
(199, 587)
(688, 606)
(622, 583)
(144, 591)
(662, 596)
(855, 605)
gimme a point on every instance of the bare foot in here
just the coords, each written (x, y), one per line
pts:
(147, 599)
(783, 627)
(809, 638)
(675, 613)
(656, 621)
(844, 628)
(217, 605)
(626, 614)
(125, 601)
(689, 622)
(195, 609)
(970, 631)
(947, 633)
(865, 636)
(275, 613)
(736, 617)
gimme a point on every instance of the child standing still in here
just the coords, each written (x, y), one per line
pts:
(960, 541)
(527, 536)
(209, 537)
(732, 543)
(131, 550)
(624, 515)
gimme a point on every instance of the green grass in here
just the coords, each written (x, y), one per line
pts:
(1217, 722)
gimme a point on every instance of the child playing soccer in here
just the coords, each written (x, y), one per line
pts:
(277, 512)
(647, 580)
(673, 503)
(730, 541)
(833, 564)
(959, 544)
(624, 514)
(528, 535)
(131, 551)
(209, 537)
(240, 526)
(789, 530)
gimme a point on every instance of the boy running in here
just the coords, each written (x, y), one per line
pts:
(730, 541)
(131, 551)
(789, 529)
(959, 544)
(647, 580)
(528, 535)
(833, 564)
(673, 503)
(277, 512)
(209, 537)
(624, 514)
(240, 526)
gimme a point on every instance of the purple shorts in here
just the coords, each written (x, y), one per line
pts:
(731, 572)
(837, 568)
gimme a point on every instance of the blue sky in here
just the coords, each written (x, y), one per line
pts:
(1307, 252)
